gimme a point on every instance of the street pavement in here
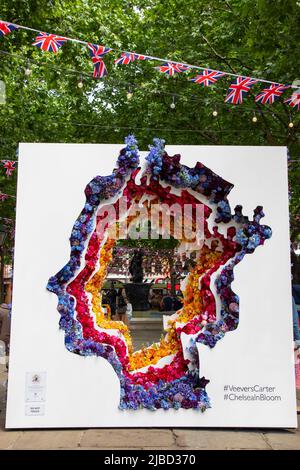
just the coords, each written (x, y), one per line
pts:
(145, 331)
(148, 439)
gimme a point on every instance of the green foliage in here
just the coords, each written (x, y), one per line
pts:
(154, 244)
(240, 36)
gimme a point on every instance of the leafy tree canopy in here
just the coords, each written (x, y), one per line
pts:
(248, 37)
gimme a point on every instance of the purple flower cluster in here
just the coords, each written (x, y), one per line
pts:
(249, 237)
(187, 392)
(200, 178)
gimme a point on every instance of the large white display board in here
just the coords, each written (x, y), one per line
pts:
(51, 387)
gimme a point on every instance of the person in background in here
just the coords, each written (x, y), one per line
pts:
(177, 303)
(129, 311)
(166, 304)
(296, 331)
(295, 292)
(104, 296)
(112, 300)
(5, 325)
(121, 306)
(295, 261)
(189, 265)
(155, 300)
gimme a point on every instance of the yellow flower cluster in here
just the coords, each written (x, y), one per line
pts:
(193, 304)
(151, 355)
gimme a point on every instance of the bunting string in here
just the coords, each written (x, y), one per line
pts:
(237, 90)
(206, 76)
(132, 85)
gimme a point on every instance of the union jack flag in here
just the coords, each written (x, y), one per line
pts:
(269, 95)
(169, 68)
(294, 100)
(238, 89)
(97, 53)
(3, 197)
(49, 42)
(208, 77)
(9, 166)
(128, 57)
(6, 28)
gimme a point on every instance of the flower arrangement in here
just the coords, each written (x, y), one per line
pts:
(94, 286)
(146, 382)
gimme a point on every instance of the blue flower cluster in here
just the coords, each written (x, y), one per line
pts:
(155, 157)
(200, 178)
(252, 234)
(249, 236)
(211, 335)
(187, 392)
(128, 158)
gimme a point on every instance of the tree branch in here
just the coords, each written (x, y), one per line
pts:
(224, 59)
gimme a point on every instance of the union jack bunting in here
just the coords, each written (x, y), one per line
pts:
(97, 53)
(238, 89)
(6, 28)
(170, 69)
(128, 57)
(294, 100)
(269, 95)
(3, 197)
(49, 42)
(207, 77)
(9, 166)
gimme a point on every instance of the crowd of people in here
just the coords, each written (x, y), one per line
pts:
(160, 300)
(118, 302)
(164, 301)
(295, 264)
(120, 308)
(4, 328)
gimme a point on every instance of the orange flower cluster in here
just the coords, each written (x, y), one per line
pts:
(192, 306)
(193, 302)
(151, 355)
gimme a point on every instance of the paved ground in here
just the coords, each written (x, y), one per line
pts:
(143, 339)
(148, 439)
(145, 331)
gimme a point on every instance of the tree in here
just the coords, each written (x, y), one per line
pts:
(240, 36)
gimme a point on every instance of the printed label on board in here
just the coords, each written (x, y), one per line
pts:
(35, 387)
(35, 409)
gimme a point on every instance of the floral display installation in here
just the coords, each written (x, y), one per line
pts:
(166, 374)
